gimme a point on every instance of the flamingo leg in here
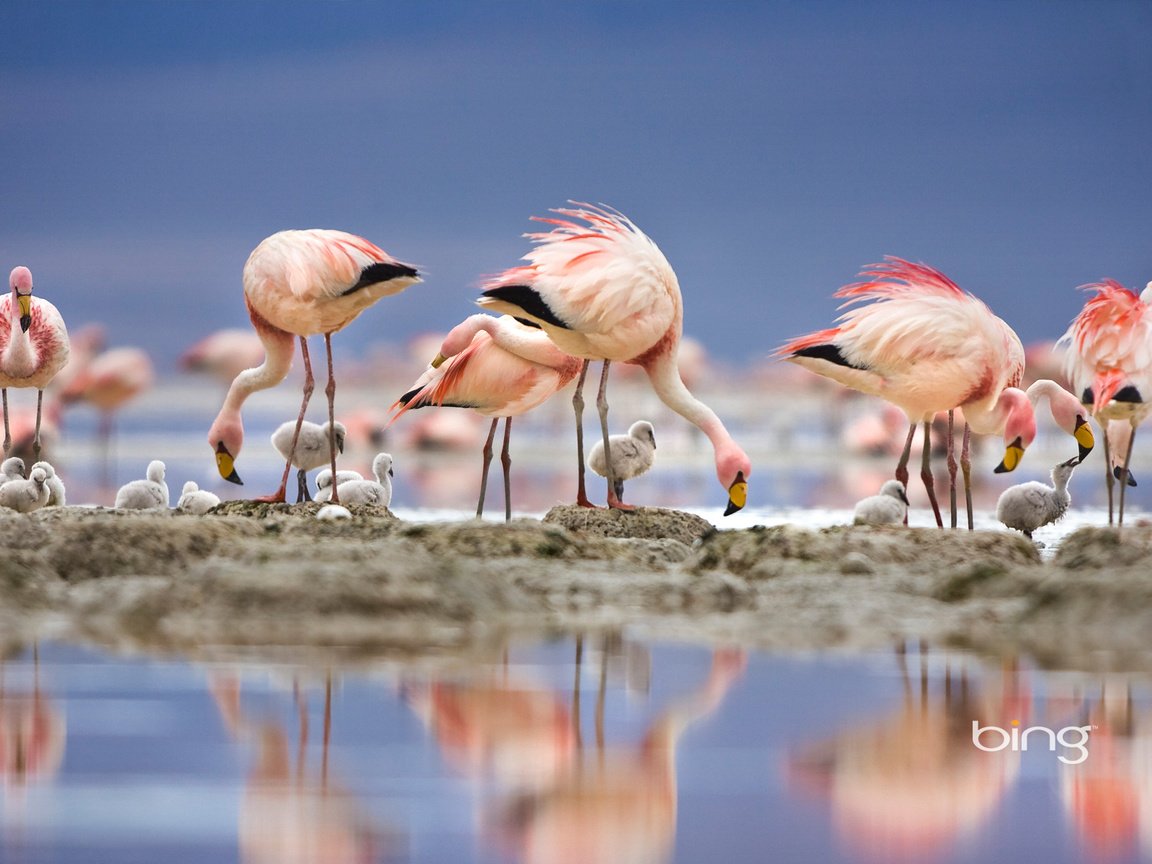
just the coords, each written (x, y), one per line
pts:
(487, 453)
(926, 473)
(280, 495)
(7, 434)
(36, 437)
(902, 465)
(1124, 474)
(106, 456)
(952, 464)
(302, 493)
(1108, 470)
(506, 463)
(330, 390)
(966, 467)
(578, 407)
(614, 501)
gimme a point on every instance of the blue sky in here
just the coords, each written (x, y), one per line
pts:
(771, 149)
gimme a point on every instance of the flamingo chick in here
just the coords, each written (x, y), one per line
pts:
(602, 290)
(24, 496)
(927, 346)
(11, 468)
(313, 443)
(299, 284)
(332, 512)
(890, 507)
(324, 481)
(148, 494)
(57, 493)
(1109, 362)
(499, 368)
(1033, 505)
(33, 346)
(195, 500)
(632, 454)
(377, 492)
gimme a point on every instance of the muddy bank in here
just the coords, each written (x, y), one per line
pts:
(269, 575)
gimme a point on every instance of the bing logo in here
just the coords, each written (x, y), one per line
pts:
(993, 739)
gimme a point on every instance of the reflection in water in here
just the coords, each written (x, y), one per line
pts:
(539, 759)
(908, 784)
(293, 811)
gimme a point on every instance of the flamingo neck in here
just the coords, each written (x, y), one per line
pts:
(277, 362)
(665, 377)
(527, 343)
(1011, 415)
(1065, 408)
(20, 356)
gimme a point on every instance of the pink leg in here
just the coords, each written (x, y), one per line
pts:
(331, 391)
(602, 405)
(966, 467)
(280, 494)
(36, 439)
(926, 473)
(487, 453)
(506, 463)
(952, 464)
(578, 406)
(902, 465)
(1124, 474)
(7, 434)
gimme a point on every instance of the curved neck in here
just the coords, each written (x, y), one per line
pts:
(1065, 408)
(1011, 415)
(528, 343)
(278, 350)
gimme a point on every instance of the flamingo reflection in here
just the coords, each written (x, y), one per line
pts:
(910, 786)
(293, 812)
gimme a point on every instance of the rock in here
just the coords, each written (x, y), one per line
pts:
(651, 523)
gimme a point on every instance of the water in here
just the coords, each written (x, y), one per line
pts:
(610, 749)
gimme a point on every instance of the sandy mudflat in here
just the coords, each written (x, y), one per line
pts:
(267, 575)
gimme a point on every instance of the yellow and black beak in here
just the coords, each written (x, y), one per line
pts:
(737, 494)
(1083, 436)
(1012, 456)
(224, 465)
(25, 301)
(438, 361)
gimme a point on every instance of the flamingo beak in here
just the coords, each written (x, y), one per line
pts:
(438, 361)
(224, 464)
(1083, 436)
(1012, 456)
(25, 301)
(737, 494)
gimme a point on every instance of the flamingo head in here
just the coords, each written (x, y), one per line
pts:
(1019, 429)
(21, 282)
(733, 468)
(226, 437)
(461, 336)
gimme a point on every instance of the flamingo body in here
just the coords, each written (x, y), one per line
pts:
(602, 290)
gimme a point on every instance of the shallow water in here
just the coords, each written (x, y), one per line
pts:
(602, 750)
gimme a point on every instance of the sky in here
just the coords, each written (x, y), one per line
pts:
(772, 150)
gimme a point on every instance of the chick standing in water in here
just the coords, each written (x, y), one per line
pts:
(1032, 505)
(890, 507)
(632, 454)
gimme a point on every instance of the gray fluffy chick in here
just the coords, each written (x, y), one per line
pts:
(1032, 505)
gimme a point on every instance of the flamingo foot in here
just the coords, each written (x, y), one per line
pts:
(279, 497)
(582, 501)
(615, 503)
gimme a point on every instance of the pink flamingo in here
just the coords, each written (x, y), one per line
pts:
(33, 346)
(1109, 362)
(301, 283)
(604, 291)
(499, 368)
(224, 354)
(927, 346)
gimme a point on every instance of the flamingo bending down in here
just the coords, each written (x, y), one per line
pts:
(33, 346)
(302, 283)
(927, 346)
(1109, 362)
(499, 368)
(604, 291)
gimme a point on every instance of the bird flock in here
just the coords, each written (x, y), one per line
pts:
(593, 286)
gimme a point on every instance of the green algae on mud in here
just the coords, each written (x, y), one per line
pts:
(265, 575)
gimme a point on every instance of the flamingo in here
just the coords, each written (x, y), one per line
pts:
(499, 368)
(927, 346)
(1109, 363)
(603, 290)
(224, 354)
(111, 380)
(33, 346)
(302, 283)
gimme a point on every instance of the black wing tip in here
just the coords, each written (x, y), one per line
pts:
(383, 271)
(527, 298)
(827, 352)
